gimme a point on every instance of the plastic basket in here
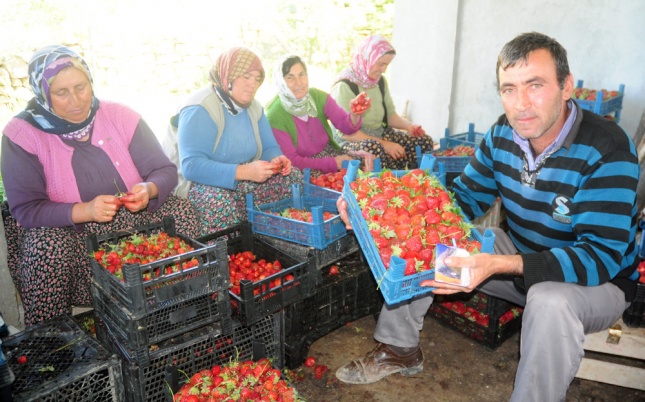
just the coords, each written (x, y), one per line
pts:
(139, 295)
(311, 190)
(395, 286)
(257, 299)
(497, 320)
(63, 364)
(341, 298)
(319, 233)
(600, 106)
(146, 380)
(471, 138)
(634, 316)
(339, 249)
(145, 329)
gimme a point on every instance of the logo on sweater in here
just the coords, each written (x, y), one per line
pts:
(561, 209)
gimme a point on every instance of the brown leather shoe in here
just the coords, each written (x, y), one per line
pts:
(379, 363)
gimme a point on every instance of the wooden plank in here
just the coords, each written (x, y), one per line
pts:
(632, 342)
(611, 373)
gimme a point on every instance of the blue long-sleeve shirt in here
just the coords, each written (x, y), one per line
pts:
(578, 222)
(196, 134)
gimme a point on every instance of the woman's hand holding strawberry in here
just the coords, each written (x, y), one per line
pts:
(416, 130)
(360, 104)
(282, 165)
(139, 196)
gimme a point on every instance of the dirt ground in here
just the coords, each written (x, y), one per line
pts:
(456, 369)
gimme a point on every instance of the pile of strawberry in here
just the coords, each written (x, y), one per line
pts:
(238, 381)
(332, 181)
(591, 94)
(474, 315)
(459, 150)
(243, 265)
(408, 215)
(144, 249)
(301, 214)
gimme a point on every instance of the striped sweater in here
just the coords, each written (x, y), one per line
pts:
(578, 223)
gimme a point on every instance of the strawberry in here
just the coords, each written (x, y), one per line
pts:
(333, 270)
(22, 359)
(414, 243)
(310, 361)
(427, 254)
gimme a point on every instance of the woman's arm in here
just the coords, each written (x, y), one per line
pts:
(196, 135)
(301, 162)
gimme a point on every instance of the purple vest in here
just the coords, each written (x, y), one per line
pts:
(113, 130)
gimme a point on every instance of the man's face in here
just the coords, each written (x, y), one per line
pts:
(532, 98)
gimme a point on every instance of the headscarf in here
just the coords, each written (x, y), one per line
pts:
(44, 65)
(364, 58)
(229, 65)
(293, 105)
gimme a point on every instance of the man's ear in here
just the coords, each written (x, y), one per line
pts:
(567, 91)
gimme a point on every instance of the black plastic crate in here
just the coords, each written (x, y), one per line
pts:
(485, 319)
(141, 295)
(257, 299)
(85, 320)
(634, 316)
(63, 364)
(142, 330)
(336, 251)
(146, 375)
(341, 298)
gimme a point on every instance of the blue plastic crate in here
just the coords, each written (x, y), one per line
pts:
(452, 164)
(395, 286)
(600, 106)
(471, 137)
(319, 234)
(311, 190)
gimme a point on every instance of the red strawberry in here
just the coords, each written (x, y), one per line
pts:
(310, 361)
(414, 243)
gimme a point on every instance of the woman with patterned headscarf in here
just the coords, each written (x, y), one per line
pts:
(298, 116)
(226, 147)
(380, 133)
(63, 160)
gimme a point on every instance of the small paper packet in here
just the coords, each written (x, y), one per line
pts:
(446, 274)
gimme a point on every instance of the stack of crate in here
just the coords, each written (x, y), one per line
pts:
(334, 299)
(174, 315)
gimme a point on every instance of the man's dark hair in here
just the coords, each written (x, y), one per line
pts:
(519, 48)
(288, 63)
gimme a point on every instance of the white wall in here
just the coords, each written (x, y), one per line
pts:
(447, 51)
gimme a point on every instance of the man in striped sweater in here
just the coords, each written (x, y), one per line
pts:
(567, 180)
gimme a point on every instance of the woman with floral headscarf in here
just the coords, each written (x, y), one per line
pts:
(226, 147)
(63, 160)
(298, 116)
(380, 133)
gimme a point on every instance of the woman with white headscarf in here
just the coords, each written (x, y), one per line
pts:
(299, 116)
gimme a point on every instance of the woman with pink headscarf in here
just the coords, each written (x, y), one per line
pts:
(226, 146)
(381, 131)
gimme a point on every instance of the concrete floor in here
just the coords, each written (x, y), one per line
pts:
(456, 369)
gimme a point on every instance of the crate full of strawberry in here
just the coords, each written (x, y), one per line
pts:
(398, 218)
(151, 266)
(303, 219)
(148, 371)
(490, 327)
(602, 102)
(264, 279)
(237, 380)
(328, 185)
